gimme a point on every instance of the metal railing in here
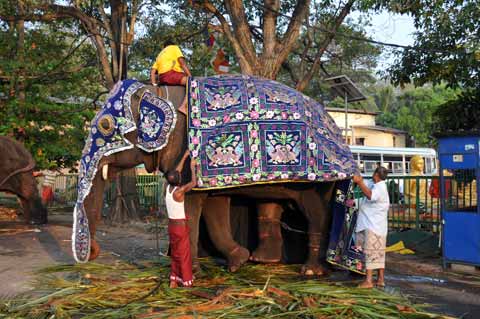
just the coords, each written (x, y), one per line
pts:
(149, 189)
(414, 203)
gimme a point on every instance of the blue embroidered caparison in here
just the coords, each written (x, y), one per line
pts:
(247, 130)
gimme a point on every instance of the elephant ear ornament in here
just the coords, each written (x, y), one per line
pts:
(157, 118)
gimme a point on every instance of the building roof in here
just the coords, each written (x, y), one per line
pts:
(380, 128)
(352, 111)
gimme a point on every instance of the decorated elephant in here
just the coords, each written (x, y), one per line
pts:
(234, 141)
(16, 177)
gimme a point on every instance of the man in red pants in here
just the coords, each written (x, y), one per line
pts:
(178, 232)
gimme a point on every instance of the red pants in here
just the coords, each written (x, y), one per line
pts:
(171, 78)
(47, 194)
(181, 260)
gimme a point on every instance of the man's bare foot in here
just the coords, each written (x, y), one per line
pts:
(173, 284)
(366, 285)
(380, 284)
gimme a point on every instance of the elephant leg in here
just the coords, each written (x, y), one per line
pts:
(269, 249)
(33, 209)
(193, 209)
(217, 217)
(314, 204)
(93, 207)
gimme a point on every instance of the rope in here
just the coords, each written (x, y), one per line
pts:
(168, 95)
(29, 167)
(288, 228)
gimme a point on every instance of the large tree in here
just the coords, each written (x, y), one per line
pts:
(264, 34)
(110, 26)
(42, 86)
(447, 44)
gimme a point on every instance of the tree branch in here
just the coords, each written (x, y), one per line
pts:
(241, 28)
(270, 13)
(302, 84)
(113, 43)
(299, 14)
(245, 64)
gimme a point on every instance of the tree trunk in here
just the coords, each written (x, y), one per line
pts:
(118, 22)
(122, 211)
(20, 28)
(125, 206)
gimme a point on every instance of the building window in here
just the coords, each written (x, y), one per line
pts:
(394, 141)
(360, 141)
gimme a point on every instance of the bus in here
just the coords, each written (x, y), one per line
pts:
(395, 159)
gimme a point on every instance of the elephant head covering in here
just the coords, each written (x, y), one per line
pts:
(155, 122)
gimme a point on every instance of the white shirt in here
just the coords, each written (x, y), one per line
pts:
(175, 210)
(49, 178)
(373, 212)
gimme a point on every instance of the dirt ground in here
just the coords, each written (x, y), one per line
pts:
(24, 249)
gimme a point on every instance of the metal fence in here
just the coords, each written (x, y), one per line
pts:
(415, 202)
(149, 189)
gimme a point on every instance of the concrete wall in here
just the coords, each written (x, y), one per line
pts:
(353, 119)
(379, 138)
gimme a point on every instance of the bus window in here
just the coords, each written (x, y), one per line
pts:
(388, 166)
(369, 166)
(427, 162)
(396, 160)
(430, 165)
(361, 166)
(397, 167)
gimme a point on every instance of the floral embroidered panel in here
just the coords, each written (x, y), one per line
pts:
(248, 130)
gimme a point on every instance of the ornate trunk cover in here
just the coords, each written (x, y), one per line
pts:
(156, 121)
(246, 130)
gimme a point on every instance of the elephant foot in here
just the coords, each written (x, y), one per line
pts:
(237, 257)
(94, 250)
(311, 270)
(269, 251)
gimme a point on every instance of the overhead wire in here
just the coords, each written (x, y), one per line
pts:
(349, 36)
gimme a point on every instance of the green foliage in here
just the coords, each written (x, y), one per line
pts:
(412, 110)
(447, 45)
(356, 59)
(58, 80)
(186, 27)
(53, 133)
(467, 115)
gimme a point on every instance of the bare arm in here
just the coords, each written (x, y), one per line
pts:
(193, 182)
(179, 194)
(153, 78)
(357, 179)
(183, 64)
(182, 161)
